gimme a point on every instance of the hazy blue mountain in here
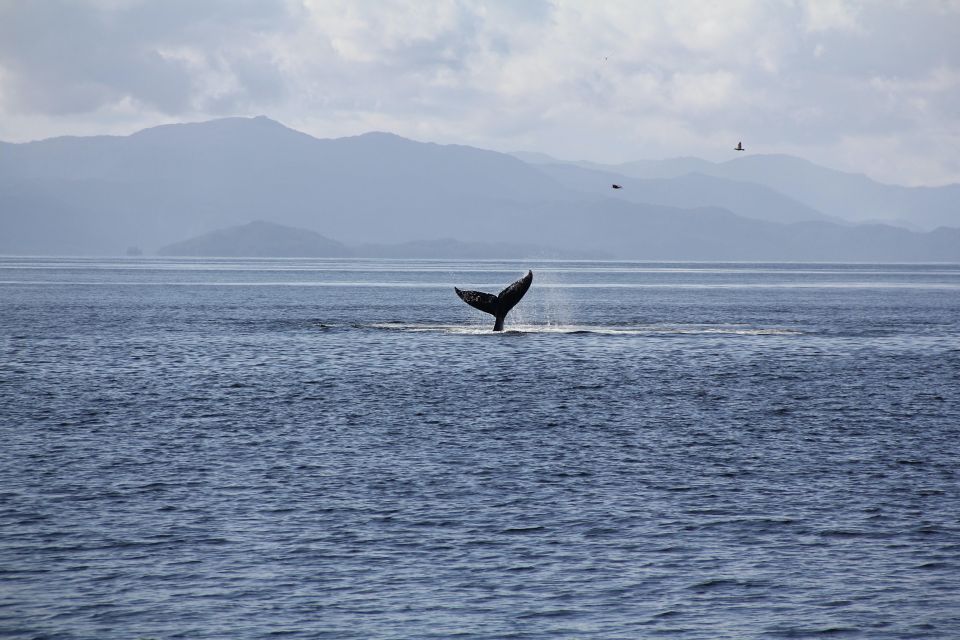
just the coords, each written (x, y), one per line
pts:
(166, 183)
(615, 229)
(850, 196)
(688, 191)
(652, 232)
(666, 168)
(835, 194)
(535, 157)
(159, 186)
(648, 169)
(661, 234)
(846, 196)
(450, 248)
(259, 240)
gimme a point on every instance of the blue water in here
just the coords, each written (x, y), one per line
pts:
(343, 449)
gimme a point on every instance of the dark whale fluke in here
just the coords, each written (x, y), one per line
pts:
(497, 305)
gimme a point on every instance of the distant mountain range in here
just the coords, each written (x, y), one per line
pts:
(690, 191)
(834, 194)
(380, 194)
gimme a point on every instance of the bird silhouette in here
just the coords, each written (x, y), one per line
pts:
(739, 147)
(616, 186)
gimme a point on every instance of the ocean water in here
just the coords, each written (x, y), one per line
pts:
(343, 449)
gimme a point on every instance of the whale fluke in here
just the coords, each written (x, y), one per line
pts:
(497, 305)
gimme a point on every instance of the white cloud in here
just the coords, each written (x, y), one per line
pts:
(703, 91)
(826, 15)
(938, 80)
(610, 81)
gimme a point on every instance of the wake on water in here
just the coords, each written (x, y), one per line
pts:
(571, 329)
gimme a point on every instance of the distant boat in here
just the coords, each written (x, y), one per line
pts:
(739, 147)
(616, 186)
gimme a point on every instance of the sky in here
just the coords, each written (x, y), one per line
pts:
(870, 87)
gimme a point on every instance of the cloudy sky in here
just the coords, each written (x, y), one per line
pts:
(872, 87)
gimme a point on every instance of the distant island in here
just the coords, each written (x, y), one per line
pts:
(260, 239)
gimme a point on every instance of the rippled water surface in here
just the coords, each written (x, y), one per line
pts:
(343, 449)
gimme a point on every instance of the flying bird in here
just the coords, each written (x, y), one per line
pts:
(616, 186)
(739, 147)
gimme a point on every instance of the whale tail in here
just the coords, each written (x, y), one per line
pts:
(497, 305)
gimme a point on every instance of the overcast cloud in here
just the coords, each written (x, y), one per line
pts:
(872, 87)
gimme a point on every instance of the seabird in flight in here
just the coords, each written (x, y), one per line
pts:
(739, 147)
(616, 186)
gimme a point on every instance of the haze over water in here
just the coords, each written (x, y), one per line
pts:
(343, 449)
